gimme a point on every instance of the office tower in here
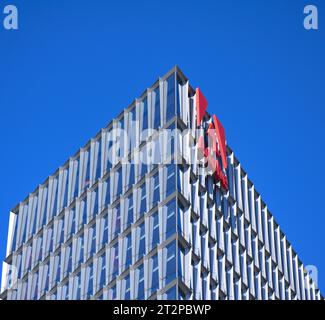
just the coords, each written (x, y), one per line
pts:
(156, 206)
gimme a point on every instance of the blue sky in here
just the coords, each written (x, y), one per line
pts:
(73, 65)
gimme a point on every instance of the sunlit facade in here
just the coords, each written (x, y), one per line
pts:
(109, 225)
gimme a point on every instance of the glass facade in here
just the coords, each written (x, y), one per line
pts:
(125, 219)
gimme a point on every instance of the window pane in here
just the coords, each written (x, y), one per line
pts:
(156, 94)
(171, 262)
(170, 97)
(171, 179)
(171, 218)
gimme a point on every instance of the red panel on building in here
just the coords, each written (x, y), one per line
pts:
(201, 106)
(222, 140)
(213, 139)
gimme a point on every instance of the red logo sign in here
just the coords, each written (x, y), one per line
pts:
(212, 145)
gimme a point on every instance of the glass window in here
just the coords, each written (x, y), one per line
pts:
(83, 213)
(155, 236)
(51, 233)
(55, 201)
(128, 253)
(142, 243)
(156, 195)
(93, 242)
(87, 177)
(65, 191)
(95, 195)
(127, 295)
(44, 209)
(89, 285)
(195, 235)
(53, 198)
(178, 110)
(36, 251)
(145, 117)
(108, 163)
(119, 183)
(143, 200)
(132, 177)
(75, 188)
(154, 275)
(73, 224)
(115, 261)
(140, 285)
(170, 97)
(105, 237)
(129, 218)
(171, 218)
(129, 250)
(202, 209)
(117, 213)
(171, 140)
(193, 196)
(27, 259)
(22, 217)
(131, 128)
(91, 203)
(98, 164)
(106, 193)
(115, 221)
(196, 277)
(205, 286)
(102, 279)
(171, 179)
(121, 123)
(78, 285)
(156, 122)
(34, 215)
(56, 270)
(171, 262)
(61, 231)
(203, 255)
(143, 167)
(69, 253)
